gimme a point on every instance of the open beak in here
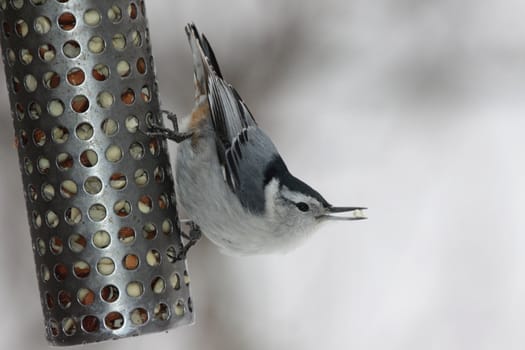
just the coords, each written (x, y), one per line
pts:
(356, 213)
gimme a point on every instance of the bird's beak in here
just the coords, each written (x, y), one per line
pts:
(357, 213)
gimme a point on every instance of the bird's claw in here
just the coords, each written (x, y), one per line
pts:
(172, 117)
(178, 137)
(158, 130)
(193, 237)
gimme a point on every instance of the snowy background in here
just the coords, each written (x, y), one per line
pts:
(415, 109)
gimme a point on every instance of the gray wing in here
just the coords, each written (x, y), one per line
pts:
(229, 113)
(243, 149)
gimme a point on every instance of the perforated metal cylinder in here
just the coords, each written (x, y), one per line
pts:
(99, 191)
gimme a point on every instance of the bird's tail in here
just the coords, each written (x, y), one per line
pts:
(204, 61)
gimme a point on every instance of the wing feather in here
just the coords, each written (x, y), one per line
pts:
(241, 145)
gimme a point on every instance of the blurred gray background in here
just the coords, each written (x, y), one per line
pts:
(415, 109)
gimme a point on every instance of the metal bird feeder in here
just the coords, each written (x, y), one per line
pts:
(99, 192)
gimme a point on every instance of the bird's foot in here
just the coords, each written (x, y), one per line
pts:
(157, 129)
(192, 237)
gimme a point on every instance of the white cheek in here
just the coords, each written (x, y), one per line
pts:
(270, 195)
(293, 196)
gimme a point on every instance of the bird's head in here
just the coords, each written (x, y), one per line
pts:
(298, 206)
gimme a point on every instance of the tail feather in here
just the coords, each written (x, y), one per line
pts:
(208, 51)
(204, 60)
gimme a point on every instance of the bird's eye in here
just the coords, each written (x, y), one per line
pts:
(302, 206)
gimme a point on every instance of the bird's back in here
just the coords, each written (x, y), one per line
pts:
(243, 150)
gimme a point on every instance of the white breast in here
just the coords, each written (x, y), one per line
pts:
(209, 202)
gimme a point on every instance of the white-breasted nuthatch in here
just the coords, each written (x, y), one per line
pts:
(230, 178)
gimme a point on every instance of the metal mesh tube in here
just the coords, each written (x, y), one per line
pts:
(99, 192)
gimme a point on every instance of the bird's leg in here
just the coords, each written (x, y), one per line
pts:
(175, 134)
(193, 237)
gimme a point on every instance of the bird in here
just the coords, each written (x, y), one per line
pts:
(229, 176)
